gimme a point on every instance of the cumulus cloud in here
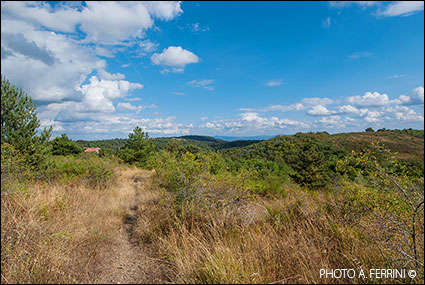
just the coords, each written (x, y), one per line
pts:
(369, 99)
(206, 83)
(98, 94)
(283, 108)
(165, 10)
(108, 76)
(317, 101)
(125, 19)
(331, 122)
(125, 106)
(404, 114)
(319, 110)
(416, 97)
(348, 109)
(174, 56)
(19, 44)
(71, 63)
(253, 122)
(373, 117)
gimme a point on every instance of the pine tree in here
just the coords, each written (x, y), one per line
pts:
(19, 123)
(64, 146)
(137, 148)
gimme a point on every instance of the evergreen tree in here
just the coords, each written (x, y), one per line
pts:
(137, 148)
(64, 146)
(310, 166)
(19, 123)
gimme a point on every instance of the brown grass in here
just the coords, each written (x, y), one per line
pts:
(294, 239)
(59, 233)
(62, 234)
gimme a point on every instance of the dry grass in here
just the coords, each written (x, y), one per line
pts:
(62, 233)
(294, 239)
(59, 233)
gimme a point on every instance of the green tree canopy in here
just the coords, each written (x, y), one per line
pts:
(63, 146)
(19, 123)
(137, 148)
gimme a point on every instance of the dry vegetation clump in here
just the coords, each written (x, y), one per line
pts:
(292, 239)
(58, 233)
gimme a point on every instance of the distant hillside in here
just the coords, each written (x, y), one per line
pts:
(407, 144)
(203, 138)
(247, 138)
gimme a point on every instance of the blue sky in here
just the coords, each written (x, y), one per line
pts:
(99, 69)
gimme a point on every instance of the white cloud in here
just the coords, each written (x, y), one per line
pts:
(319, 110)
(272, 83)
(197, 28)
(129, 107)
(404, 114)
(174, 56)
(253, 122)
(305, 103)
(363, 4)
(165, 10)
(250, 116)
(283, 108)
(369, 99)
(401, 8)
(326, 24)
(373, 117)
(416, 97)
(348, 109)
(43, 82)
(202, 83)
(385, 8)
(317, 101)
(147, 46)
(108, 76)
(178, 93)
(126, 106)
(331, 122)
(98, 94)
(107, 21)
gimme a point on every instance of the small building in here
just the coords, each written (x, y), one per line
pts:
(92, 149)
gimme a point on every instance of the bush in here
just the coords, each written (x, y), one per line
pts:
(86, 168)
(64, 146)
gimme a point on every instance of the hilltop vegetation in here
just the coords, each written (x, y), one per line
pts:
(277, 210)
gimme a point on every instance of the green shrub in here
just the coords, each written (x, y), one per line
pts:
(85, 168)
(64, 146)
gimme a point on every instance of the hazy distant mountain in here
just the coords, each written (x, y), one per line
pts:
(243, 138)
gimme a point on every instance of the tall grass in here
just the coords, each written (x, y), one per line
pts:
(214, 228)
(58, 231)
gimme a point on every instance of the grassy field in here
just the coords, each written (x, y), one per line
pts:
(203, 217)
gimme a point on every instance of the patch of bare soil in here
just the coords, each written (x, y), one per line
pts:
(129, 260)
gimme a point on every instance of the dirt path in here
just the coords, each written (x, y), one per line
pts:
(129, 260)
